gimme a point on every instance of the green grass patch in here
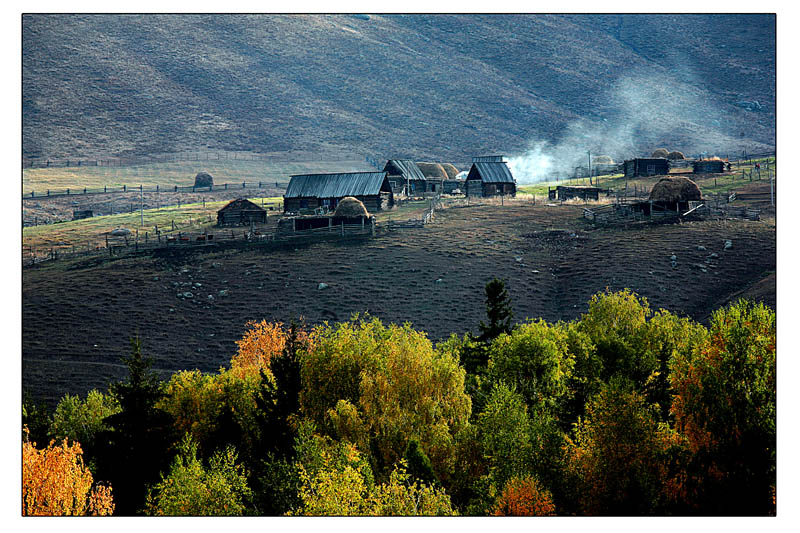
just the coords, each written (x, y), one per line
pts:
(91, 231)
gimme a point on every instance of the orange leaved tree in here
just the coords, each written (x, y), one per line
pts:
(524, 497)
(55, 482)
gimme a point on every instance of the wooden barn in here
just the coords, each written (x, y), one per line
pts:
(646, 167)
(312, 191)
(490, 178)
(405, 175)
(708, 166)
(566, 193)
(350, 215)
(451, 186)
(241, 212)
(80, 214)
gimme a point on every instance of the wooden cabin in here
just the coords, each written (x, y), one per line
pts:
(405, 175)
(566, 193)
(307, 192)
(241, 212)
(646, 167)
(83, 213)
(490, 178)
(708, 166)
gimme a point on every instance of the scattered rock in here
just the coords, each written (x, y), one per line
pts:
(198, 285)
(518, 259)
(210, 297)
(438, 280)
(216, 265)
(674, 260)
(322, 286)
(728, 245)
(188, 294)
(701, 248)
(223, 292)
(534, 271)
(171, 309)
(155, 278)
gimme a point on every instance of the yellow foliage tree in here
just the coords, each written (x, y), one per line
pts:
(55, 482)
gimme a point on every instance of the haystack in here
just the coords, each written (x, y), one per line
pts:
(350, 207)
(660, 152)
(432, 170)
(675, 190)
(203, 179)
(451, 170)
(675, 155)
(602, 160)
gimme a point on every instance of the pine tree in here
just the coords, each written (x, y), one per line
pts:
(138, 443)
(498, 311)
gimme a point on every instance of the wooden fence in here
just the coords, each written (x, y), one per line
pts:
(53, 193)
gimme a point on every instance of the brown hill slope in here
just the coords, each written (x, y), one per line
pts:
(426, 86)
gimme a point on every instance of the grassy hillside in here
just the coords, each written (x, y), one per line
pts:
(427, 86)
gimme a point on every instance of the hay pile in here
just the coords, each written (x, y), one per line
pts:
(675, 155)
(602, 160)
(451, 170)
(660, 152)
(203, 179)
(350, 207)
(433, 170)
(675, 190)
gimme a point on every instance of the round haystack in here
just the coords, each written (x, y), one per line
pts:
(675, 190)
(672, 156)
(660, 152)
(602, 160)
(203, 179)
(432, 170)
(350, 207)
(451, 170)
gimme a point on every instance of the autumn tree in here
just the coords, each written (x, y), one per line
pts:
(82, 420)
(193, 489)
(617, 455)
(533, 359)
(524, 497)
(379, 386)
(336, 480)
(724, 405)
(55, 482)
(136, 447)
(616, 324)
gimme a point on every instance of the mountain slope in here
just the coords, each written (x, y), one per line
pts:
(423, 86)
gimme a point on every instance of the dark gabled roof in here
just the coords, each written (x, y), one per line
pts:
(494, 172)
(241, 204)
(407, 167)
(335, 185)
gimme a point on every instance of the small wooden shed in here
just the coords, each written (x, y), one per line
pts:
(241, 212)
(405, 175)
(566, 193)
(646, 167)
(490, 178)
(708, 166)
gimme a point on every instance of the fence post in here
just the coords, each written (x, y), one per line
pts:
(124, 188)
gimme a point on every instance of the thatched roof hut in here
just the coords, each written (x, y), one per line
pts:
(660, 152)
(675, 155)
(350, 207)
(451, 170)
(673, 190)
(203, 179)
(432, 170)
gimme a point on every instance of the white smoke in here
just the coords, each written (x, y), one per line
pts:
(640, 114)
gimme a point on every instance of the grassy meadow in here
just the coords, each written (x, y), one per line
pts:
(181, 173)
